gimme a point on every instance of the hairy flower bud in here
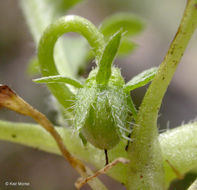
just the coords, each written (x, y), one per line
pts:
(101, 112)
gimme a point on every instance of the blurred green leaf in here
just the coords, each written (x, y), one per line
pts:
(126, 47)
(129, 23)
(141, 79)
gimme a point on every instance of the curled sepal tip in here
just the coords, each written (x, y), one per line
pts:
(47, 43)
(64, 25)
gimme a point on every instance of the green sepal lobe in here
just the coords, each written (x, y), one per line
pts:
(141, 79)
(59, 79)
(107, 59)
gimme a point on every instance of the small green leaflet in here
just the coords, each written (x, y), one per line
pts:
(107, 58)
(59, 79)
(141, 79)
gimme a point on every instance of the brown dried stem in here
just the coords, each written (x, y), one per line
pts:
(12, 101)
(82, 181)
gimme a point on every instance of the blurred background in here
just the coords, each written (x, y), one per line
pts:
(50, 172)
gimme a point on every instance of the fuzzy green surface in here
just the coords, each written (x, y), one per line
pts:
(101, 112)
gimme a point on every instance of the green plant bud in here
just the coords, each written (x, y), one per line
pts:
(102, 112)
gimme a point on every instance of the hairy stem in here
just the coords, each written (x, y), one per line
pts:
(47, 43)
(146, 168)
(176, 148)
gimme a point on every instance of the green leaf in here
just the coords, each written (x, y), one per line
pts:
(126, 47)
(141, 79)
(129, 23)
(107, 58)
(59, 79)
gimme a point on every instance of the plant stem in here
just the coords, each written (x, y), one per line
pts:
(146, 168)
(176, 148)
